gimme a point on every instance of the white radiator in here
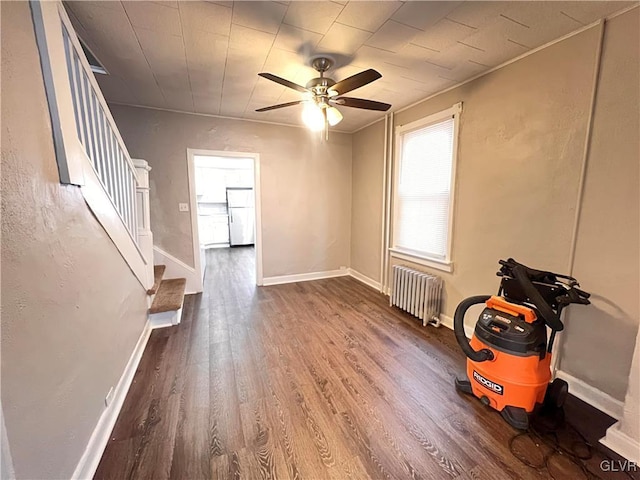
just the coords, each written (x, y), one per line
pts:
(417, 293)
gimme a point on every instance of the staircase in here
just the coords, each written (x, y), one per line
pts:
(91, 154)
(167, 299)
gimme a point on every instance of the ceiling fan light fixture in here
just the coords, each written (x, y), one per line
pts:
(321, 93)
(334, 116)
(312, 117)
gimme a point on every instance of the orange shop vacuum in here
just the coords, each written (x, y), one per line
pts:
(509, 358)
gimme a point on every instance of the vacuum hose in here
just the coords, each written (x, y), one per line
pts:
(550, 317)
(458, 327)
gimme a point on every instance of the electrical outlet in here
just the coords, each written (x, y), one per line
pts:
(109, 398)
(183, 207)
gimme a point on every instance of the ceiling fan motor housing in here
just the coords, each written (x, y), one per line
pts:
(320, 85)
(322, 64)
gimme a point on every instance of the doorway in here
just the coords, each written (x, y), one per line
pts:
(225, 204)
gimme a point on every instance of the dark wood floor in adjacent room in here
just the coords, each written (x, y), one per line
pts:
(310, 380)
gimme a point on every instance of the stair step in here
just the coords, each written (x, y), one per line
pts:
(158, 272)
(170, 295)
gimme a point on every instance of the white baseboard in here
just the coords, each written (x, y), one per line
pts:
(591, 395)
(364, 279)
(90, 459)
(177, 269)
(304, 277)
(447, 321)
(165, 319)
(621, 443)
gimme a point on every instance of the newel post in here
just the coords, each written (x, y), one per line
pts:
(145, 236)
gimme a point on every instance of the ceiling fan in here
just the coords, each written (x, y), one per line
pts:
(324, 93)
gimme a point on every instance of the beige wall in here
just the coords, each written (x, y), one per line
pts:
(366, 193)
(600, 339)
(521, 146)
(72, 311)
(305, 184)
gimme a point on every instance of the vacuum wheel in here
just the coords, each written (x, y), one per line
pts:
(557, 392)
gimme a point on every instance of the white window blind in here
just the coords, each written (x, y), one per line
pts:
(423, 194)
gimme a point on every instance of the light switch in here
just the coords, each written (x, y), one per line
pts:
(183, 207)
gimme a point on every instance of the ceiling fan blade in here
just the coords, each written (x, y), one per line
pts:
(282, 81)
(281, 105)
(361, 103)
(356, 81)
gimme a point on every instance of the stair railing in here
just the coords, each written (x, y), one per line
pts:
(145, 236)
(89, 149)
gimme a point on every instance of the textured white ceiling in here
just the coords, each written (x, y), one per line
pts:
(205, 56)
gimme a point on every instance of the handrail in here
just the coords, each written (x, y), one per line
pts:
(90, 151)
(94, 83)
(99, 135)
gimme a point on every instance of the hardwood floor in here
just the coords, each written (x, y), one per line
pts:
(310, 380)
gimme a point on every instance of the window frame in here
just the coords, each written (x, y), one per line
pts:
(414, 256)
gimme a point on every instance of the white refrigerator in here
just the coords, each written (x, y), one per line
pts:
(240, 203)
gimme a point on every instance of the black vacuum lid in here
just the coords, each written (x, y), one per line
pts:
(511, 334)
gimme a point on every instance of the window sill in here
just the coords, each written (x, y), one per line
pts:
(421, 260)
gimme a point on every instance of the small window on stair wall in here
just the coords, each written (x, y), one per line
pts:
(423, 188)
(89, 149)
(95, 64)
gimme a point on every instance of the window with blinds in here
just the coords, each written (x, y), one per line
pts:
(424, 180)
